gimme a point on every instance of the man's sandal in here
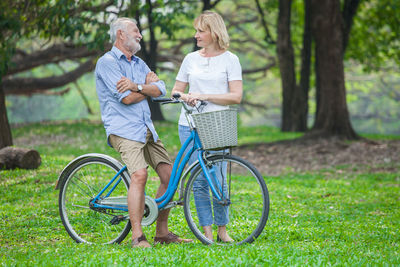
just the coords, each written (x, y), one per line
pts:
(136, 242)
(171, 238)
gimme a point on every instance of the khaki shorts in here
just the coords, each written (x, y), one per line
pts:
(137, 155)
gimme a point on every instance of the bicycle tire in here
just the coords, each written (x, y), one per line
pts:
(84, 224)
(248, 194)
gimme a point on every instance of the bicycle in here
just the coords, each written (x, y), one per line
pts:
(93, 192)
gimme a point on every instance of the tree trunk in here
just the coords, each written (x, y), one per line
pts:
(332, 118)
(12, 157)
(300, 117)
(5, 130)
(150, 57)
(348, 13)
(317, 88)
(294, 96)
(156, 113)
(286, 63)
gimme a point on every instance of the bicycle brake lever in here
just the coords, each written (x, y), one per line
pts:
(199, 104)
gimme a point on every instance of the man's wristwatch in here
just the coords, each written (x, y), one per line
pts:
(139, 88)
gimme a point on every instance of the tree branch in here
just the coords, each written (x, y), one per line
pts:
(80, 91)
(265, 68)
(60, 93)
(28, 85)
(253, 105)
(56, 53)
(174, 58)
(212, 5)
(268, 37)
(348, 13)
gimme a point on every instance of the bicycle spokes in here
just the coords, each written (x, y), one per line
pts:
(89, 217)
(242, 205)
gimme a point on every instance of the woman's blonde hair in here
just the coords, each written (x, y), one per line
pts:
(213, 22)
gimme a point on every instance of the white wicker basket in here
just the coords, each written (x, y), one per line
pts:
(217, 129)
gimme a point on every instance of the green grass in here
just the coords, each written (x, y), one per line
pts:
(329, 217)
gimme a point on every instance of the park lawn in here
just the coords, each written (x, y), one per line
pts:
(328, 217)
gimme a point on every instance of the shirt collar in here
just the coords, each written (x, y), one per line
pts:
(119, 54)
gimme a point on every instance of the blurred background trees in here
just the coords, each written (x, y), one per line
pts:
(45, 34)
(303, 71)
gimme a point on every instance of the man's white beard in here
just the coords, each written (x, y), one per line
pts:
(133, 45)
(137, 48)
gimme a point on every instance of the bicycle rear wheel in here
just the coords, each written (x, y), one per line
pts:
(83, 222)
(246, 207)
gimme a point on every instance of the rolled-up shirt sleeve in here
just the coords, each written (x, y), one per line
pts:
(160, 84)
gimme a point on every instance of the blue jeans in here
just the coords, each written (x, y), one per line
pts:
(201, 189)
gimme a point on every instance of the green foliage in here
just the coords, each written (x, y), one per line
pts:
(169, 16)
(373, 99)
(46, 19)
(11, 19)
(375, 25)
(375, 36)
(329, 217)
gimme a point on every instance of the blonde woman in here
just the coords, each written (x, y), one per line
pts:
(211, 74)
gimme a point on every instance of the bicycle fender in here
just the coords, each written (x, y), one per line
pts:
(71, 164)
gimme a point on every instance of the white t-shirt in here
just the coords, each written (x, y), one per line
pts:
(209, 75)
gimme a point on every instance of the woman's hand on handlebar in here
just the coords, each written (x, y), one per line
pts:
(189, 98)
(193, 98)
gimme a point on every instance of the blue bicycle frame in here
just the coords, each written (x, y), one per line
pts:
(176, 174)
(179, 166)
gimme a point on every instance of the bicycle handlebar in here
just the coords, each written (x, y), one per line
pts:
(165, 100)
(176, 99)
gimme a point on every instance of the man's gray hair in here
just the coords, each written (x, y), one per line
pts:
(119, 24)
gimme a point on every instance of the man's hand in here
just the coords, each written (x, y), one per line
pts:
(151, 77)
(124, 84)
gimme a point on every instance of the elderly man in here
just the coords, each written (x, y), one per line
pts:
(123, 83)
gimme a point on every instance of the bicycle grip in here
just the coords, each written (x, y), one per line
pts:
(176, 95)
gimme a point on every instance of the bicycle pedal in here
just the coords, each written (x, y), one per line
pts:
(116, 219)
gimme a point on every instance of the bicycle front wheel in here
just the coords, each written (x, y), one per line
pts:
(243, 205)
(84, 222)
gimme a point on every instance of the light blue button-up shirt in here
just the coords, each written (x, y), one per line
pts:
(127, 121)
